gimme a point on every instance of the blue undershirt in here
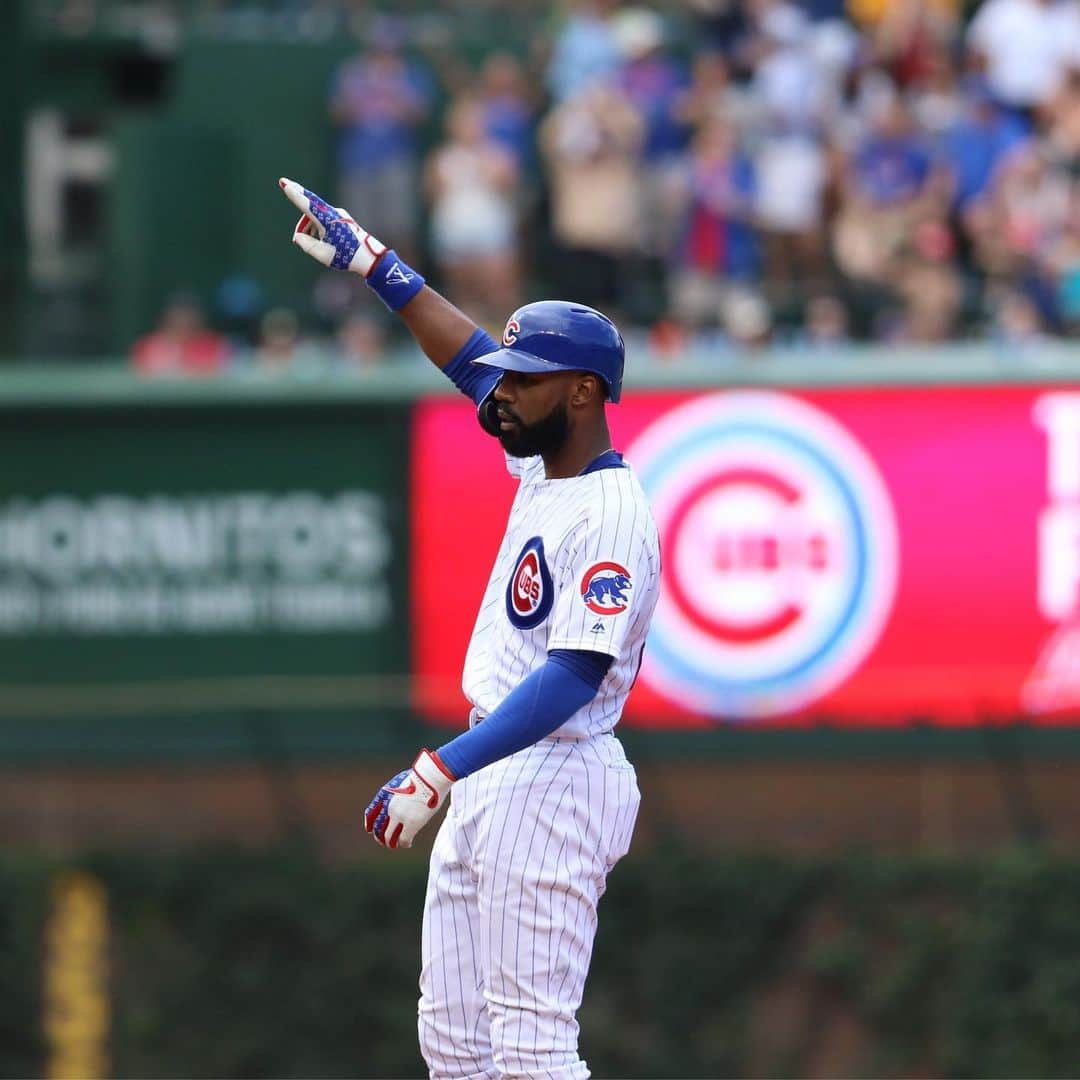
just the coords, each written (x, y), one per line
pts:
(543, 701)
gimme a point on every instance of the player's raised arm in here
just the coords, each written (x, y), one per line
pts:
(331, 236)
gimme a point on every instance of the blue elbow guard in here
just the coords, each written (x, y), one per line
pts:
(475, 381)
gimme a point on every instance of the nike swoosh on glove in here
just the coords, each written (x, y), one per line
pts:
(408, 801)
(329, 233)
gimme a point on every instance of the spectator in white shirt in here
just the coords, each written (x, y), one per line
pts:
(1027, 47)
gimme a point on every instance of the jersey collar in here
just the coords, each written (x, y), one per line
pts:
(609, 459)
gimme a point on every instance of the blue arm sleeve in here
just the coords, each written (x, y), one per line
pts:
(544, 700)
(473, 380)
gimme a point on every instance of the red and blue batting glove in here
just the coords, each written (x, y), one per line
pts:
(408, 801)
(329, 234)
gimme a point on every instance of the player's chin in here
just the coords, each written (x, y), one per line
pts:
(514, 443)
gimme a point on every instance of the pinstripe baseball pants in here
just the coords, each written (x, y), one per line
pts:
(517, 870)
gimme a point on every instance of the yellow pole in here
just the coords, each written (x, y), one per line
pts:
(77, 1010)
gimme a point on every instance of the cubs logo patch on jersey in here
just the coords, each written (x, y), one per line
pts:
(529, 593)
(605, 588)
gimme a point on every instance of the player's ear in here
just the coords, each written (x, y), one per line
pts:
(587, 388)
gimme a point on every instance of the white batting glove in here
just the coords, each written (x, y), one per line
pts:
(408, 801)
(329, 234)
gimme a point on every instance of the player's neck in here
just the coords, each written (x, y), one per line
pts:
(580, 449)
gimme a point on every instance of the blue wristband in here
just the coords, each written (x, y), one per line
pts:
(393, 281)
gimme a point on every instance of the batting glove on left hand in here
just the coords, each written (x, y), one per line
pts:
(329, 234)
(408, 801)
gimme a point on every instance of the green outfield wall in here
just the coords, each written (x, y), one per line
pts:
(172, 563)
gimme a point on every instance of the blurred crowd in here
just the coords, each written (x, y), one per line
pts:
(726, 173)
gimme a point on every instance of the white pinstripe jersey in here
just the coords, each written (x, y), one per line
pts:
(578, 568)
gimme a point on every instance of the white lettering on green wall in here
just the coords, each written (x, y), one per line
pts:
(248, 561)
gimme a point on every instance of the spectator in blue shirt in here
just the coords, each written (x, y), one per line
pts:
(655, 86)
(893, 165)
(718, 246)
(584, 52)
(509, 111)
(377, 100)
(890, 186)
(976, 144)
(652, 81)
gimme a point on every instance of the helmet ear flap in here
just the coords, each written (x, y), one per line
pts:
(487, 411)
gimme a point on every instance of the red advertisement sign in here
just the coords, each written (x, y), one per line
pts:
(866, 556)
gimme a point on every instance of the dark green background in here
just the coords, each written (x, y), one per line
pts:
(203, 449)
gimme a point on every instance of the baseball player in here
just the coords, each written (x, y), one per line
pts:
(542, 798)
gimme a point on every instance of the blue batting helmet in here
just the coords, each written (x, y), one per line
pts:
(556, 335)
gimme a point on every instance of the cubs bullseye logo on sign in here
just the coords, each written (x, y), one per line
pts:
(605, 588)
(779, 546)
(529, 594)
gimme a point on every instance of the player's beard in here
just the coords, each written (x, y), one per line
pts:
(546, 436)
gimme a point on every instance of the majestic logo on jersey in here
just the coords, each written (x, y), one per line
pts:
(529, 594)
(779, 547)
(604, 587)
(510, 334)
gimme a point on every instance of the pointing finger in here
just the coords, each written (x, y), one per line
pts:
(294, 193)
(305, 199)
(301, 198)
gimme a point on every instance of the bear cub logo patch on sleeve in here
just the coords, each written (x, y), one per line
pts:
(605, 588)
